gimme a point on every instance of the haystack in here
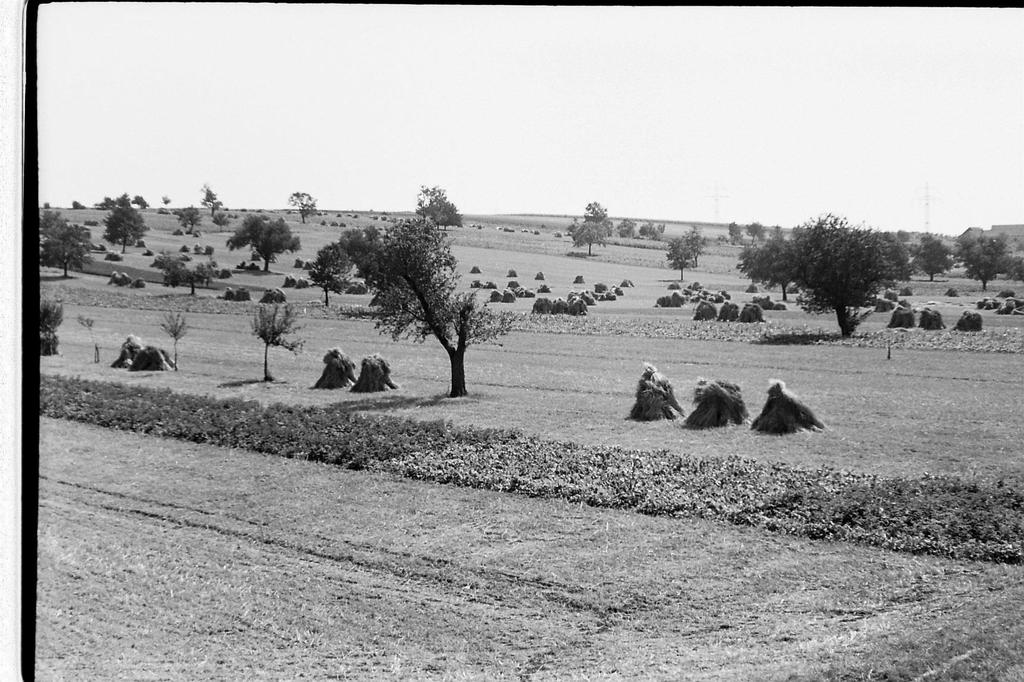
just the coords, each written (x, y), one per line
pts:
(779, 306)
(475, 270)
(1008, 307)
(577, 306)
(121, 279)
(356, 288)
(289, 282)
(129, 349)
(543, 289)
(751, 313)
(243, 295)
(729, 312)
(298, 263)
(655, 398)
(970, 321)
(542, 306)
(607, 296)
(273, 296)
(705, 311)
(374, 375)
(139, 283)
(578, 280)
(339, 370)
(890, 295)
(617, 291)
(495, 296)
(476, 284)
(302, 283)
(884, 305)
(511, 273)
(490, 285)
(752, 289)
(626, 283)
(229, 294)
(931, 319)
(588, 298)
(906, 291)
(784, 413)
(674, 286)
(1006, 293)
(512, 284)
(672, 301)
(525, 293)
(901, 317)
(952, 293)
(559, 306)
(508, 296)
(600, 288)
(151, 359)
(717, 404)
(764, 301)
(539, 276)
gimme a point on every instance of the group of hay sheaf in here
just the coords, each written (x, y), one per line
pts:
(719, 403)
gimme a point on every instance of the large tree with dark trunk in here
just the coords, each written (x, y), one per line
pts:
(62, 244)
(413, 275)
(841, 268)
(266, 238)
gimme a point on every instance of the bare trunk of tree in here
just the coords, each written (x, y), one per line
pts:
(458, 360)
(266, 370)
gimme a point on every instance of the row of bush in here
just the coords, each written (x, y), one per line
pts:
(945, 516)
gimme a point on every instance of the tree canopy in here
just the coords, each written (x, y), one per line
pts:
(595, 228)
(627, 228)
(361, 245)
(62, 244)
(210, 200)
(178, 272)
(684, 251)
(303, 203)
(330, 269)
(124, 225)
(433, 203)
(932, 256)
(841, 268)
(983, 256)
(140, 202)
(415, 281)
(189, 217)
(266, 238)
(771, 263)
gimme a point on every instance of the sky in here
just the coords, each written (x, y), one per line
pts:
(897, 118)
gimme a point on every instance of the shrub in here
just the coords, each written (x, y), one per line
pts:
(51, 315)
(356, 288)
(140, 243)
(779, 306)
(163, 211)
(178, 233)
(224, 273)
(92, 223)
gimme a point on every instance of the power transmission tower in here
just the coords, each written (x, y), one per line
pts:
(927, 198)
(717, 196)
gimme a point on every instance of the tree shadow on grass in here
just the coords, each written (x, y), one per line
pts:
(797, 338)
(56, 278)
(244, 382)
(393, 401)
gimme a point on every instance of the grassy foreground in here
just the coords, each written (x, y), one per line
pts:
(160, 559)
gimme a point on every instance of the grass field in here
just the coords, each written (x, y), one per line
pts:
(160, 559)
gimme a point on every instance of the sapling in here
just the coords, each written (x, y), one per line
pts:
(88, 322)
(176, 327)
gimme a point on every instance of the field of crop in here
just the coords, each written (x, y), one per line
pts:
(222, 563)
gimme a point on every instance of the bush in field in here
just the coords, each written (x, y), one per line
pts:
(51, 314)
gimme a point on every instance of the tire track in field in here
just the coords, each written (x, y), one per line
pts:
(490, 585)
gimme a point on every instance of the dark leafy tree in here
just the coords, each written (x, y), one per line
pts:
(330, 269)
(932, 256)
(735, 233)
(361, 245)
(190, 218)
(166, 199)
(983, 256)
(651, 231)
(433, 203)
(898, 255)
(684, 251)
(124, 225)
(62, 244)
(140, 202)
(841, 268)
(416, 283)
(273, 324)
(1015, 269)
(75, 205)
(903, 236)
(109, 204)
(178, 272)
(210, 200)
(756, 232)
(627, 228)
(266, 238)
(595, 228)
(771, 263)
(303, 203)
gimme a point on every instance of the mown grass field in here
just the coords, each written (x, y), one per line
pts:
(160, 559)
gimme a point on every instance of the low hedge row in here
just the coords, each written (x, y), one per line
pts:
(944, 516)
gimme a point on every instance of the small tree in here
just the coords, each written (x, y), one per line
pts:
(221, 219)
(772, 263)
(735, 233)
(88, 323)
(361, 246)
(627, 228)
(433, 203)
(177, 272)
(190, 218)
(267, 239)
(983, 257)
(841, 268)
(304, 203)
(595, 228)
(175, 326)
(166, 199)
(76, 205)
(109, 204)
(272, 324)
(63, 245)
(124, 225)
(415, 281)
(684, 251)
(756, 232)
(210, 200)
(140, 202)
(651, 231)
(932, 256)
(330, 269)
